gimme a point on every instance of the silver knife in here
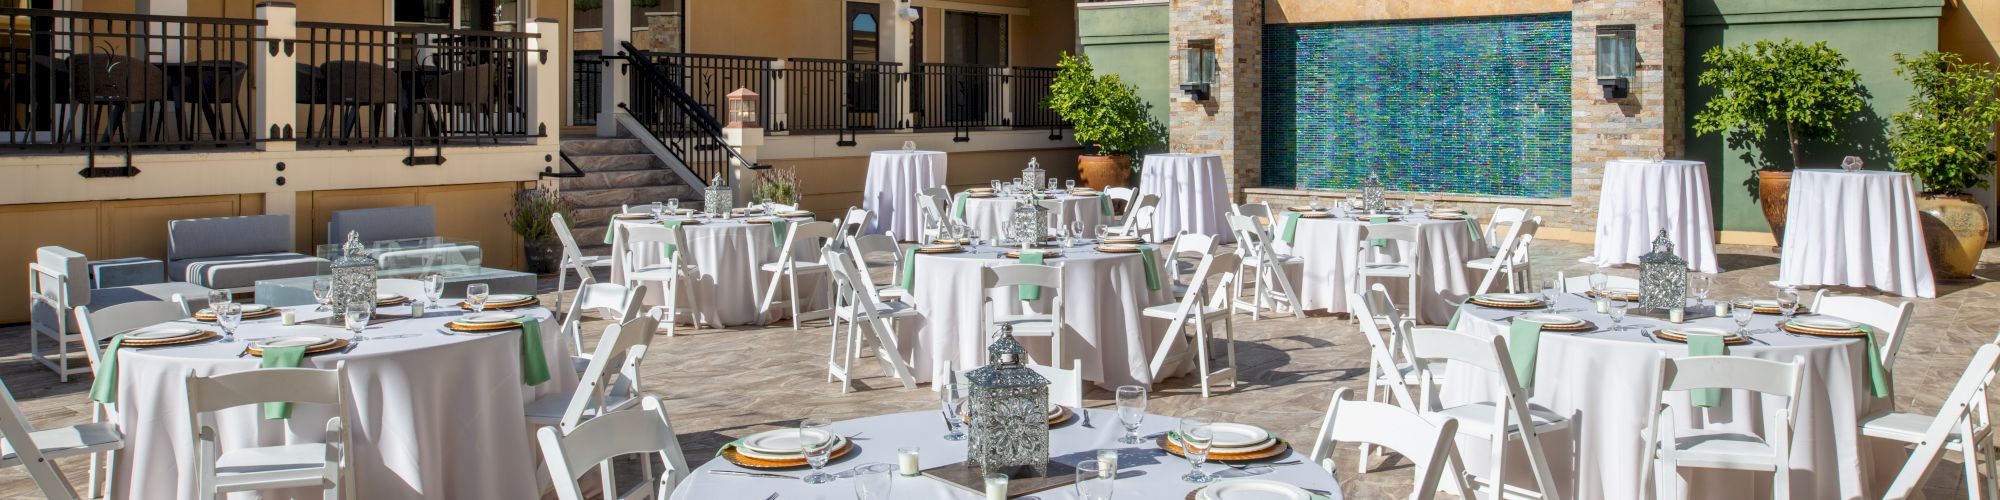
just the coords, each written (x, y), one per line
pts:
(765, 475)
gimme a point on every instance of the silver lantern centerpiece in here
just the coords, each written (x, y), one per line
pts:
(1662, 277)
(1034, 176)
(1009, 418)
(353, 275)
(718, 198)
(1373, 197)
(1030, 221)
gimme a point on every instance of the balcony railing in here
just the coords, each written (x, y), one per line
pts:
(395, 85)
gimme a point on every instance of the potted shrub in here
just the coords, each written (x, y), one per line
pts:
(1945, 141)
(530, 220)
(1807, 89)
(780, 185)
(1110, 120)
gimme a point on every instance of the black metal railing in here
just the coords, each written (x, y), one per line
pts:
(829, 95)
(960, 95)
(93, 81)
(710, 78)
(681, 124)
(1030, 93)
(411, 86)
(586, 88)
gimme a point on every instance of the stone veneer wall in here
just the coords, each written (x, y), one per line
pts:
(1645, 124)
(1228, 122)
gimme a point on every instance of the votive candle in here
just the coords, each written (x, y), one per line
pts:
(996, 487)
(289, 318)
(1107, 463)
(906, 459)
(1676, 315)
(1603, 305)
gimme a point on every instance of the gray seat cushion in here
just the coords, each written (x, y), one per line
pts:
(239, 271)
(189, 239)
(377, 224)
(195, 295)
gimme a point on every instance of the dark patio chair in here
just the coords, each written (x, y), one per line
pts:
(41, 86)
(309, 88)
(207, 86)
(352, 85)
(474, 90)
(119, 83)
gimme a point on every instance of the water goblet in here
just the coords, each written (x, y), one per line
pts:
(1103, 232)
(357, 316)
(1788, 303)
(433, 289)
(476, 295)
(769, 207)
(673, 206)
(873, 481)
(955, 397)
(1094, 480)
(1069, 184)
(1702, 284)
(1599, 281)
(1549, 294)
(228, 315)
(1052, 184)
(322, 289)
(1742, 315)
(1314, 202)
(1618, 308)
(658, 210)
(1196, 435)
(219, 297)
(1131, 412)
(996, 186)
(816, 443)
(1430, 203)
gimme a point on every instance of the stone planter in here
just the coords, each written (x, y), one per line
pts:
(1774, 192)
(1103, 171)
(543, 256)
(1954, 233)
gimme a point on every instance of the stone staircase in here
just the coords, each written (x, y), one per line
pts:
(618, 171)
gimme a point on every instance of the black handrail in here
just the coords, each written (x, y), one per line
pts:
(572, 172)
(681, 124)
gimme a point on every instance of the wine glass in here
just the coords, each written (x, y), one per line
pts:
(1131, 411)
(433, 289)
(357, 316)
(873, 481)
(1314, 202)
(1598, 282)
(816, 443)
(228, 315)
(1093, 480)
(476, 295)
(1618, 308)
(1430, 203)
(769, 207)
(1549, 293)
(322, 292)
(1196, 435)
(1742, 315)
(955, 397)
(218, 297)
(1702, 284)
(1052, 184)
(673, 206)
(1788, 303)
(1069, 184)
(1103, 231)
(996, 186)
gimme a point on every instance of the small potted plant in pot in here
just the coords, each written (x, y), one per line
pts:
(1945, 141)
(530, 220)
(1807, 89)
(1111, 121)
(780, 185)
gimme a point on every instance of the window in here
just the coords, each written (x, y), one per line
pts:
(487, 15)
(863, 32)
(975, 38)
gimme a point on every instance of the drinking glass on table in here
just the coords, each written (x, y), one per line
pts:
(816, 443)
(1131, 411)
(1618, 308)
(1702, 284)
(218, 297)
(1196, 435)
(1549, 293)
(1788, 302)
(1742, 315)
(769, 207)
(996, 186)
(872, 481)
(433, 289)
(1103, 232)
(1313, 202)
(228, 315)
(1069, 184)
(357, 316)
(1052, 184)
(1430, 203)
(322, 292)
(475, 294)
(955, 398)
(1094, 480)
(1598, 282)
(673, 206)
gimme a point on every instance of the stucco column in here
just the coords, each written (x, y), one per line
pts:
(893, 43)
(1647, 123)
(1229, 122)
(613, 86)
(544, 80)
(273, 110)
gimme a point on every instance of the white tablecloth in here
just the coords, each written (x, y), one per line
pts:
(1855, 229)
(434, 415)
(986, 214)
(1601, 381)
(728, 252)
(894, 178)
(1327, 247)
(1144, 471)
(1105, 294)
(1642, 197)
(1193, 196)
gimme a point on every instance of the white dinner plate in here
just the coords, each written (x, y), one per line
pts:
(781, 442)
(502, 298)
(1510, 298)
(1551, 319)
(163, 332)
(1760, 303)
(941, 247)
(1253, 489)
(1701, 330)
(1118, 247)
(1828, 324)
(299, 341)
(1622, 291)
(486, 318)
(1230, 435)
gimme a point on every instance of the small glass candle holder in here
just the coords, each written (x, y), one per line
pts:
(996, 487)
(907, 462)
(1107, 461)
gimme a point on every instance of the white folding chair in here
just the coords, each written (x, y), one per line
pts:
(97, 327)
(573, 259)
(1495, 422)
(645, 431)
(38, 450)
(644, 243)
(1390, 371)
(1501, 227)
(1007, 280)
(1370, 264)
(609, 384)
(1890, 321)
(789, 267)
(611, 301)
(868, 252)
(323, 464)
(1272, 284)
(1207, 301)
(1580, 284)
(854, 224)
(1259, 213)
(1065, 385)
(931, 218)
(866, 314)
(1139, 220)
(1431, 446)
(1179, 264)
(1962, 423)
(1500, 263)
(941, 197)
(1669, 449)
(1124, 194)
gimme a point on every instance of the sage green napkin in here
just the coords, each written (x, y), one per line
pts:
(1378, 241)
(281, 357)
(1877, 378)
(667, 252)
(1706, 345)
(1029, 292)
(958, 204)
(1524, 338)
(1288, 226)
(1454, 319)
(534, 366)
(909, 277)
(726, 447)
(1152, 265)
(780, 226)
(104, 385)
(1472, 228)
(1104, 204)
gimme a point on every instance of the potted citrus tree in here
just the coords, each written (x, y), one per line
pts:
(530, 221)
(1110, 120)
(1945, 140)
(1806, 89)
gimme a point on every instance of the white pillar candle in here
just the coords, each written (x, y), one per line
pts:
(1721, 309)
(906, 459)
(1107, 463)
(1676, 315)
(289, 318)
(996, 487)
(1603, 305)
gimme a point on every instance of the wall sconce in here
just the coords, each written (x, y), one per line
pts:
(742, 109)
(1198, 68)
(1617, 59)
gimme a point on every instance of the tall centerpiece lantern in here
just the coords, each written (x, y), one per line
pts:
(1009, 418)
(1034, 176)
(1662, 277)
(1030, 221)
(1372, 195)
(353, 275)
(718, 198)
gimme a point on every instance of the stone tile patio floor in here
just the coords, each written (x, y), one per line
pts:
(723, 384)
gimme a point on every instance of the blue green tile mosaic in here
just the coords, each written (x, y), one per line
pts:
(1466, 105)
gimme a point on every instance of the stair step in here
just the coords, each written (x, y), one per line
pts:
(617, 162)
(623, 179)
(603, 146)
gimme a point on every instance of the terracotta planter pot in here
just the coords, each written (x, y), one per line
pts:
(1774, 192)
(1954, 232)
(1103, 171)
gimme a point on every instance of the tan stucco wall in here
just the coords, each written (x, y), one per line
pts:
(99, 229)
(1321, 11)
(1972, 28)
(768, 28)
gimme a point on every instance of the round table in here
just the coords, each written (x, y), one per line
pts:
(1602, 382)
(729, 254)
(435, 415)
(1104, 295)
(894, 179)
(1193, 196)
(985, 214)
(1855, 229)
(1144, 470)
(1643, 197)
(1326, 245)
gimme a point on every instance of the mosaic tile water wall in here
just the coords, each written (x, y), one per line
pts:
(1474, 105)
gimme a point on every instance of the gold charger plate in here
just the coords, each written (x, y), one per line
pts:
(204, 335)
(759, 220)
(1628, 297)
(1758, 309)
(508, 305)
(955, 249)
(1278, 448)
(335, 345)
(1112, 249)
(211, 316)
(1678, 337)
(1794, 328)
(1046, 255)
(631, 216)
(1116, 240)
(981, 195)
(481, 327)
(1528, 305)
(1315, 215)
(741, 460)
(1579, 327)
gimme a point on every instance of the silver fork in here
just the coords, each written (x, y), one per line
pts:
(1086, 418)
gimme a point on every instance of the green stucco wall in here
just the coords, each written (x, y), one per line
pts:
(1131, 42)
(1868, 32)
